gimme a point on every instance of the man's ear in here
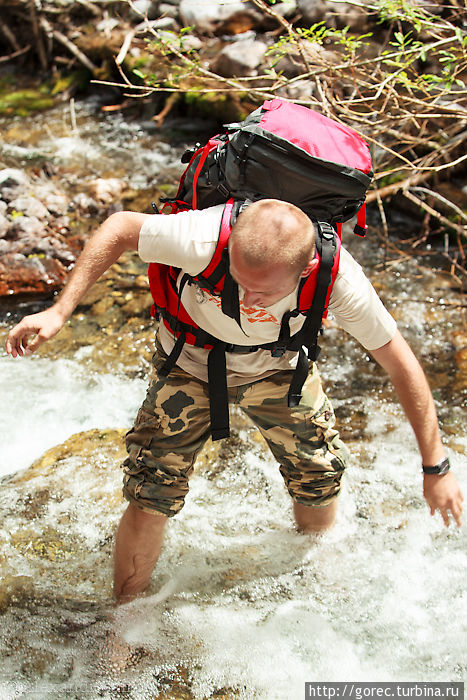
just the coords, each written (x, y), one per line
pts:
(310, 267)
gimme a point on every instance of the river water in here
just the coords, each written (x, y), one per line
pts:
(240, 605)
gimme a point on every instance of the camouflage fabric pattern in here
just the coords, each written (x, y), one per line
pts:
(173, 424)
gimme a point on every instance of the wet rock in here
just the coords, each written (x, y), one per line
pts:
(11, 178)
(299, 90)
(84, 203)
(144, 8)
(3, 208)
(29, 236)
(23, 226)
(4, 224)
(460, 383)
(292, 65)
(240, 59)
(163, 24)
(107, 191)
(312, 10)
(55, 202)
(343, 14)
(83, 485)
(206, 15)
(29, 206)
(169, 10)
(30, 275)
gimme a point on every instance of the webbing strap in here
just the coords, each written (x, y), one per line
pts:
(170, 362)
(298, 379)
(230, 303)
(218, 395)
(326, 239)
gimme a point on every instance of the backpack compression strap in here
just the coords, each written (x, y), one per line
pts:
(326, 239)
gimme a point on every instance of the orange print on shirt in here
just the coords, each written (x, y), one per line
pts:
(253, 315)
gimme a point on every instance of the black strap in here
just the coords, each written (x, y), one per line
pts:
(298, 379)
(174, 355)
(326, 242)
(218, 395)
(230, 303)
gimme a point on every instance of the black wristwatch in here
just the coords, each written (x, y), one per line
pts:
(440, 468)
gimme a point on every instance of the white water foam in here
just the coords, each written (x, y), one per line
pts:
(45, 401)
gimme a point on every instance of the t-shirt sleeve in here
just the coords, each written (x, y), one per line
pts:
(186, 240)
(357, 307)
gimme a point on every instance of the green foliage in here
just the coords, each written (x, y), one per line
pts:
(402, 11)
(321, 35)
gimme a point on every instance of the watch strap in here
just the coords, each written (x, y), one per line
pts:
(440, 468)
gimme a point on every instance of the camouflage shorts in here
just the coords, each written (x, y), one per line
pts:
(173, 424)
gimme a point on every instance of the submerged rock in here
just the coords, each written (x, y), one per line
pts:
(62, 509)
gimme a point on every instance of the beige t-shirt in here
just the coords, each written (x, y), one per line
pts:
(187, 240)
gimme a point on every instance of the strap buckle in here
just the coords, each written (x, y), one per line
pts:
(278, 350)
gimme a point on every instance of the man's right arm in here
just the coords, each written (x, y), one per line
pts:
(120, 232)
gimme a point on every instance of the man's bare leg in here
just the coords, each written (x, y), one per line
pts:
(315, 519)
(137, 548)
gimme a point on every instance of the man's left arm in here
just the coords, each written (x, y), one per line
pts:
(441, 492)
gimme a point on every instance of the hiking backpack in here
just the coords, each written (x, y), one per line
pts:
(280, 151)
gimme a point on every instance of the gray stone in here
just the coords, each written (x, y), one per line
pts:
(12, 177)
(4, 224)
(3, 207)
(107, 190)
(205, 15)
(25, 226)
(29, 206)
(56, 203)
(168, 10)
(84, 203)
(163, 23)
(292, 65)
(144, 8)
(240, 59)
(343, 14)
(298, 90)
(287, 8)
(312, 10)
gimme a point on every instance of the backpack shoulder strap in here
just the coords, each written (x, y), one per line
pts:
(215, 270)
(327, 243)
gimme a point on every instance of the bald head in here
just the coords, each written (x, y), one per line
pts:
(271, 233)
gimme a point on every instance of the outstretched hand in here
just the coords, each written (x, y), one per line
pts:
(443, 493)
(32, 331)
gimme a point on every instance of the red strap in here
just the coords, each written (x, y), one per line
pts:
(211, 144)
(362, 227)
(224, 234)
(339, 230)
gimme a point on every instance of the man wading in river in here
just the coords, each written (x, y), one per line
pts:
(272, 250)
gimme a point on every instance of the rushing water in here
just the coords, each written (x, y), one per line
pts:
(240, 605)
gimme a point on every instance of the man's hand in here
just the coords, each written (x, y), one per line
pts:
(443, 493)
(42, 326)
